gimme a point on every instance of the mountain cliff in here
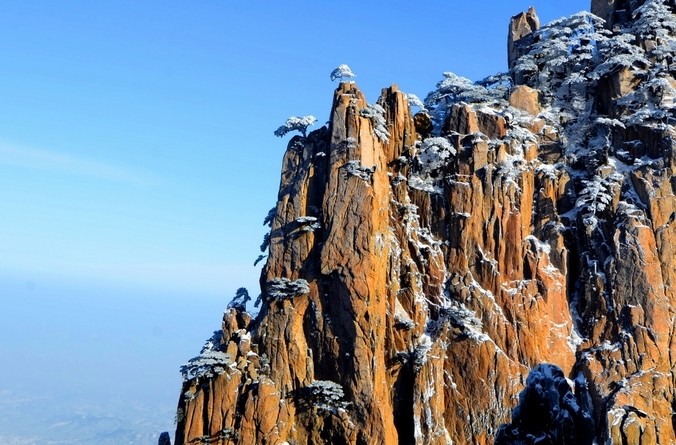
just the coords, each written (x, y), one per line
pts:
(497, 267)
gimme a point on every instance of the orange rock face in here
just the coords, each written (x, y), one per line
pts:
(520, 27)
(526, 99)
(420, 267)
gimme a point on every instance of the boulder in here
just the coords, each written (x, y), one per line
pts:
(525, 99)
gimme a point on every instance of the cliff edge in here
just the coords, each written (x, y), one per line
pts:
(500, 264)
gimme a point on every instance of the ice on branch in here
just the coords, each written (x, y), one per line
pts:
(376, 114)
(342, 72)
(283, 288)
(415, 101)
(434, 152)
(211, 361)
(295, 123)
(326, 396)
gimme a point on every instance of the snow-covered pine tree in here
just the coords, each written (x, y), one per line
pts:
(342, 72)
(295, 123)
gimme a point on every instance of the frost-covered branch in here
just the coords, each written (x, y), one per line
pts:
(295, 123)
(285, 289)
(434, 153)
(308, 223)
(415, 101)
(326, 395)
(376, 114)
(354, 168)
(342, 72)
(453, 89)
(206, 365)
(595, 197)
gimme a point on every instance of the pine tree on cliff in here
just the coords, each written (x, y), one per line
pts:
(342, 72)
(239, 300)
(295, 123)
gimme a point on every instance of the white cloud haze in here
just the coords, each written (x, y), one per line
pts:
(48, 160)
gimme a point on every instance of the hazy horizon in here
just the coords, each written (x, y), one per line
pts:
(78, 358)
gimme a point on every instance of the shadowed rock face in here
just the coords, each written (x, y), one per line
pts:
(549, 412)
(164, 439)
(421, 267)
(617, 13)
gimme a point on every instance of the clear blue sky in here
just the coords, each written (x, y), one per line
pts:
(136, 139)
(137, 154)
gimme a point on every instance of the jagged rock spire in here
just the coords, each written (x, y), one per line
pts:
(520, 27)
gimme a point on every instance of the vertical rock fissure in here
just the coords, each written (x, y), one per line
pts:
(403, 404)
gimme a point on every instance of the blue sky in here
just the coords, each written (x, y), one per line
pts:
(137, 155)
(136, 139)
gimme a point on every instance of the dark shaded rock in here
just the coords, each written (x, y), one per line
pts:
(549, 412)
(550, 153)
(423, 124)
(617, 83)
(164, 439)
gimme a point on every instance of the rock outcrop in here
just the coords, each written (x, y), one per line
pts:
(421, 267)
(617, 12)
(164, 439)
(521, 28)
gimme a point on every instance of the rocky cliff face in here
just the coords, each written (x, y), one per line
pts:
(422, 266)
